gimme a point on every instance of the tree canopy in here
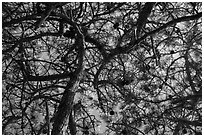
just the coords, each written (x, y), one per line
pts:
(101, 68)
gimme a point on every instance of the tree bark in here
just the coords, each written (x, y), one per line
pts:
(65, 107)
(72, 124)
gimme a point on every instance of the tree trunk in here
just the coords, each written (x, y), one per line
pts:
(65, 107)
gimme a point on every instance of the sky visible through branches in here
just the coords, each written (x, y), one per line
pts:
(101, 68)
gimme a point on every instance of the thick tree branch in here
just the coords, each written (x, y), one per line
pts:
(49, 77)
(66, 104)
(143, 15)
(181, 19)
(72, 125)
